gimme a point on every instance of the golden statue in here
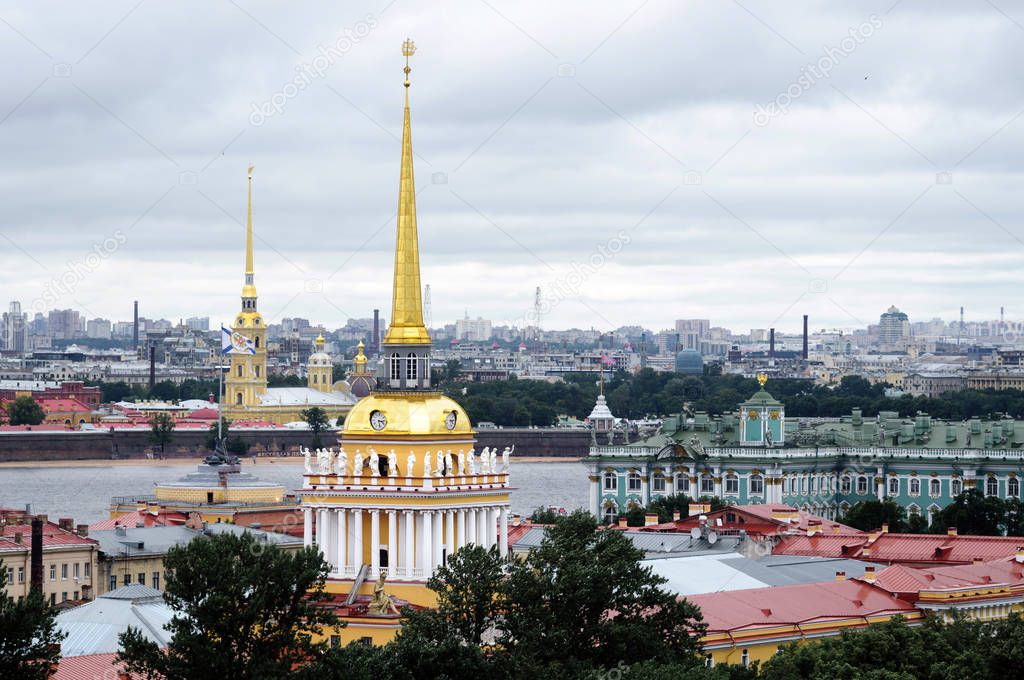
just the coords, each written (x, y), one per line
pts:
(382, 604)
(762, 378)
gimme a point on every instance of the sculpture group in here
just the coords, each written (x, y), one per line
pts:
(441, 464)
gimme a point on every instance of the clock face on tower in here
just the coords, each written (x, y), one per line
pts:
(378, 420)
(450, 420)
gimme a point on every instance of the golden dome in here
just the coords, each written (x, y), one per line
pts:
(407, 414)
(249, 319)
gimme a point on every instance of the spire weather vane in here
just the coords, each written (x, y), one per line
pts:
(408, 49)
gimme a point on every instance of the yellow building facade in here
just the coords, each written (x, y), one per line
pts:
(407, 488)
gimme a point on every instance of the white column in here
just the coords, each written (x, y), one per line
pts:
(427, 557)
(503, 531)
(470, 526)
(321, 529)
(307, 527)
(375, 543)
(449, 530)
(595, 494)
(357, 543)
(438, 538)
(460, 530)
(410, 555)
(481, 527)
(342, 535)
(392, 543)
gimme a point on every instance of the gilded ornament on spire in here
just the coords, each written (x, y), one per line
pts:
(249, 289)
(762, 378)
(406, 326)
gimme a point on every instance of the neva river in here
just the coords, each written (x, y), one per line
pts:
(83, 493)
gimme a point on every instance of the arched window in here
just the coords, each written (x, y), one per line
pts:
(658, 482)
(256, 342)
(756, 485)
(315, 378)
(1013, 487)
(745, 658)
(239, 370)
(609, 514)
(847, 484)
(915, 486)
(238, 399)
(894, 486)
(814, 485)
(683, 483)
(991, 486)
(862, 486)
(395, 369)
(410, 369)
(633, 481)
(732, 484)
(707, 484)
(934, 488)
(257, 369)
(611, 481)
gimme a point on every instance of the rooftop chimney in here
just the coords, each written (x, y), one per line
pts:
(840, 575)
(375, 344)
(869, 574)
(805, 338)
(1019, 557)
(152, 366)
(622, 523)
(771, 343)
(82, 530)
(951, 531)
(885, 527)
(676, 515)
(135, 328)
(650, 518)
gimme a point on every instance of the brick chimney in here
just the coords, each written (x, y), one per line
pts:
(676, 515)
(885, 527)
(622, 523)
(650, 518)
(840, 575)
(951, 531)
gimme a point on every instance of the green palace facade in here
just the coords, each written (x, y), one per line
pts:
(822, 465)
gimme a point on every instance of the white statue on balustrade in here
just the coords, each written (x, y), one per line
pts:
(323, 458)
(374, 462)
(485, 459)
(392, 463)
(332, 460)
(426, 464)
(410, 464)
(357, 464)
(506, 456)
(342, 461)
(471, 462)
(462, 462)
(439, 465)
(308, 457)
(448, 463)
(493, 463)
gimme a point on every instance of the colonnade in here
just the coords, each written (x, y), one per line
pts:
(405, 544)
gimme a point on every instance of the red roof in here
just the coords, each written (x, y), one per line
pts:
(922, 549)
(62, 404)
(904, 580)
(204, 414)
(764, 519)
(88, 667)
(734, 610)
(53, 536)
(148, 519)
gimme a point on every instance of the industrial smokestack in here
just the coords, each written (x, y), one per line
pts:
(135, 328)
(36, 566)
(375, 345)
(805, 338)
(771, 343)
(152, 366)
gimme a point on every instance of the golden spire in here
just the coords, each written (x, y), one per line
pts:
(406, 304)
(249, 289)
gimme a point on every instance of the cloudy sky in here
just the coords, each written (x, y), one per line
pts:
(640, 161)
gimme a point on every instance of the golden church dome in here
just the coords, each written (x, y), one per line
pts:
(386, 415)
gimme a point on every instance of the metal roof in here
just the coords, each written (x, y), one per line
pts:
(94, 628)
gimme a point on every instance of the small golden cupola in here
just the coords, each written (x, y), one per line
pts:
(362, 381)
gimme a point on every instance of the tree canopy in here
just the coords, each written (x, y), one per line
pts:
(25, 410)
(29, 639)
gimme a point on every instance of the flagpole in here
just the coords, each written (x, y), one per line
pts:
(220, 393)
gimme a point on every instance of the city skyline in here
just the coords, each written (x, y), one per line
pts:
(767, 164)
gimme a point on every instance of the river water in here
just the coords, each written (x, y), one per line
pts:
(83, 493)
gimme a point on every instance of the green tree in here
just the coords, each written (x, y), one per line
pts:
(972, 512)
(558, 598)
(872, 514)
(544, 516)
(164, 390)
(162, 429)
(318, 422)
(29, 639)
(25, 410)
(244, 610)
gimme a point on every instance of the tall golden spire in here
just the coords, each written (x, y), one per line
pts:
(249, 289)
(406, 304)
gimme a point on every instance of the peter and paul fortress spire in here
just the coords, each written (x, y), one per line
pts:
(407, 305)
(249, 288)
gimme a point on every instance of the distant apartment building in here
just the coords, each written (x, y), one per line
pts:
(122, 329)
(893, 328)
(64, 324)
(474, 330)
(198, 323)
(98, 328)
(14, 329)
